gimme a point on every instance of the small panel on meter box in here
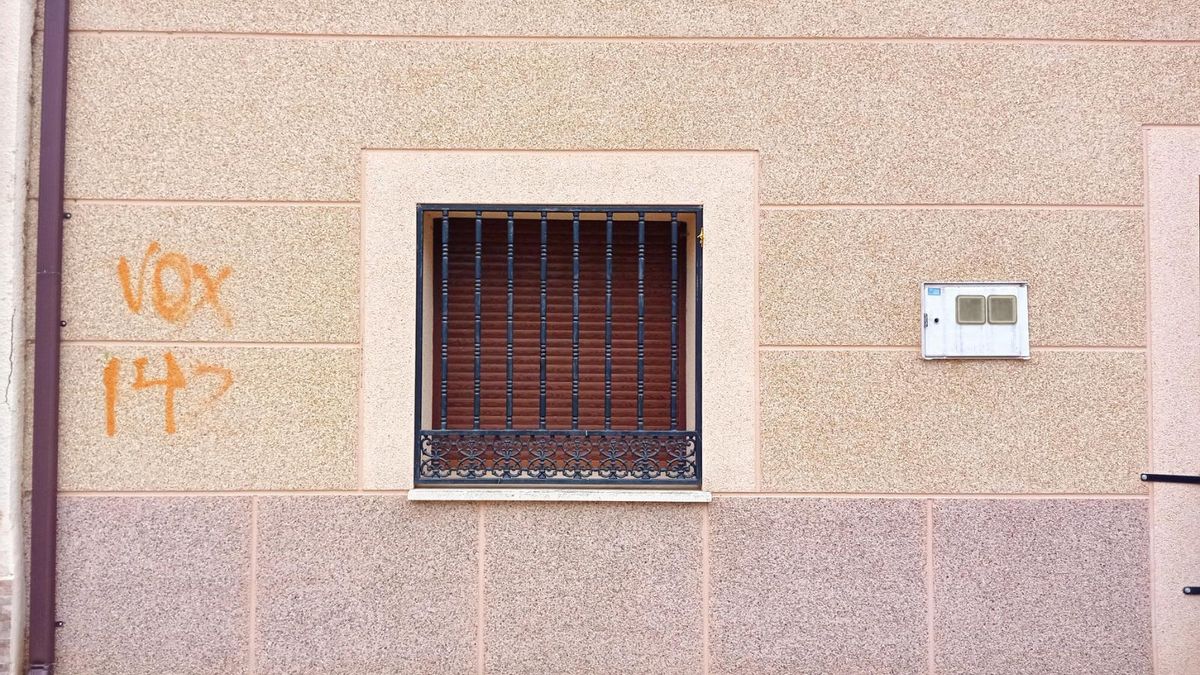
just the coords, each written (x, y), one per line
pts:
(974, 320)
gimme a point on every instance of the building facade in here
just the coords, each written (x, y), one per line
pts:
(254, 472)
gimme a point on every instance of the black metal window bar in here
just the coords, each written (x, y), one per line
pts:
(577, 455)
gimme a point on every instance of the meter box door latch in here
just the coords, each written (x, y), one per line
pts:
(975, 320)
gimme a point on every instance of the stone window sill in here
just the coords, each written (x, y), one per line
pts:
(557, 495)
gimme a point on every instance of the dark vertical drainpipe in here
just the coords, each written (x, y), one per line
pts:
(44, 499)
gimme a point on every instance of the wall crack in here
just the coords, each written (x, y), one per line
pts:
(12, 351)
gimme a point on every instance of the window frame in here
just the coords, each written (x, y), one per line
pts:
(693, 381)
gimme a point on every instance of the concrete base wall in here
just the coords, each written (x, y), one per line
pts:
(376, 583)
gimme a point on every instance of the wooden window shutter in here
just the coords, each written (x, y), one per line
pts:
(527, 316)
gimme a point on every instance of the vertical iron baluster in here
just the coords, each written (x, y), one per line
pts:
(542, 345)
(478, 311)
(419, 426)
(508, 388)
(641, 322)
(697, 377)
(674, 319)
(575, 319)
(608, 307)
(445, 313)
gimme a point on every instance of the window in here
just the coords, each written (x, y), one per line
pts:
(1002, 309)
(971, 309)
(563, 344)
(993, 309)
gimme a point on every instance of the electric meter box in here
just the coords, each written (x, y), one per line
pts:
(975, 320)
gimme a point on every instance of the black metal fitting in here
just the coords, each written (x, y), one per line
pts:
(1170, 478)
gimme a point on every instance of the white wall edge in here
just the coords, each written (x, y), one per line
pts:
(563, 495)
(1172, 210)
(16, 59)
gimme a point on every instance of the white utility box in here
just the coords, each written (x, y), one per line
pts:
(975, 320)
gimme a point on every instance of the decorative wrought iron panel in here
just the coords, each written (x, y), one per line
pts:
(539, 456)
(535, 261)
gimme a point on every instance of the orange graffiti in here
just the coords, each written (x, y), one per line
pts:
(112, 371)
(172, 381)
(176, 307)
(226, 378)
(135, 301)
(212, 289)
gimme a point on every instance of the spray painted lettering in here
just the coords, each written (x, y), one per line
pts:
(173, 379)
(175, 305)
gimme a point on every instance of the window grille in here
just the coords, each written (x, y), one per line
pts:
(560, 345)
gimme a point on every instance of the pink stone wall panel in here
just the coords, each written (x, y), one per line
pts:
(817, 586)
(365, 584)
(1041, 586)
(153, 585)
(592, 588)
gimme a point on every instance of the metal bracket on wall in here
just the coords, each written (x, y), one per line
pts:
(1170, 478)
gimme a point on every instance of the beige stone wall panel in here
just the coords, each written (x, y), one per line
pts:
(887, 421)
(292, 273)
(852, 277)
(153, 584)
(1041, 586)
(288, 421)
(1123, 19)
(270, 118)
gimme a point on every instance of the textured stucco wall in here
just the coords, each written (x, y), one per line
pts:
(16, 26)
(894, 515)
(1173, 243)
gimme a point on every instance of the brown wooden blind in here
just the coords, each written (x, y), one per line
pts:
(527, 317)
